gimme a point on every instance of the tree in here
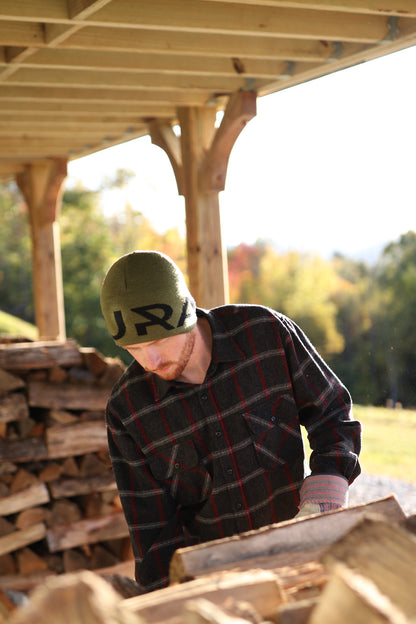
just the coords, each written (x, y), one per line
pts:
(356, 364)
(15, 258)
(395, 318)
(298, 285)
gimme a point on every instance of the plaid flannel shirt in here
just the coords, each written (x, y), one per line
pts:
(200, 462)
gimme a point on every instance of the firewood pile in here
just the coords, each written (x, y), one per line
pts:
(353, 565)
(59, 507)
(63, 534)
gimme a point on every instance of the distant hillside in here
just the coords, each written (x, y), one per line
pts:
(15, 327)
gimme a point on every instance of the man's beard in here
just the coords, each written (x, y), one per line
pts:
(172, 369)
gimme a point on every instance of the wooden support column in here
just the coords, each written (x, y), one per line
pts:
(41, 185)
(200, 159)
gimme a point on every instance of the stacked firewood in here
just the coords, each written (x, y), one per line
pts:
(62, 532)
(354, 565)
(59, 507)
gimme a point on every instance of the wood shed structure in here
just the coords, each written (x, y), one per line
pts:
(77, 76)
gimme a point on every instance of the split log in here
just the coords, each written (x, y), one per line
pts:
(22, 480)
(87, 531)
(202, 611)
(27, 582)
(9, 383)
(349, 597)
(29, 562)
(94, 361)
(13, 407)
(80, 598)
(385, 555)
(31, 516)
(34, 495)
(78, 439)
(25, 450)
(24, 582)
(295, 535)
(296, 612)
(65, 488)
(70, 396)
(21, 538)
(257, 587)
(30, 356)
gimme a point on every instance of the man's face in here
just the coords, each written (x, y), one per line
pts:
(167, 357)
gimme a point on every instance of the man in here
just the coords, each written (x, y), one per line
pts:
(204, 425)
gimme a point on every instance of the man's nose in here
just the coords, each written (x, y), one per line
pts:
(153, 357)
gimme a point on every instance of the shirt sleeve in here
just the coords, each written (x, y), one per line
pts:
(152, 516)
(324, 407)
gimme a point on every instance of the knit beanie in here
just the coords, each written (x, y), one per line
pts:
(144, 297)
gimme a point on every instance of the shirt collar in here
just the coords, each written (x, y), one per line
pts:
(224, 349)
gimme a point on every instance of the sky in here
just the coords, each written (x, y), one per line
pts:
(326, 166)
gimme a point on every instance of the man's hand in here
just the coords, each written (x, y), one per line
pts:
(308, 509)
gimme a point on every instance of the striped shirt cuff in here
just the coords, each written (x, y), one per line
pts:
(329, 491)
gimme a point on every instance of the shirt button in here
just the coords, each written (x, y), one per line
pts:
(239, 506)
(229, 471)
(204, 397)
(218, 434)
(273, 418)
(177, 465)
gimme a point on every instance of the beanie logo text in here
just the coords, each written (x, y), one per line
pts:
(153, 319)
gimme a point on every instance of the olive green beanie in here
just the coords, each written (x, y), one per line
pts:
(144, 297)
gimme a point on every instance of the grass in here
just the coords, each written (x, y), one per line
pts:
(12, 326)
(389, 441)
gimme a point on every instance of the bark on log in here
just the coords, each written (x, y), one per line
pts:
(13, 407)
(25, 450)
(70, 396)
(291, 536)
(87, 531)
(35, 355)
(76, 487)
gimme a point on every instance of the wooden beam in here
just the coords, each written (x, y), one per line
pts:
(164, 137)
(41, 185)
(207, 261)
(134, 62)
(366, 7)
(240, 109)
(51, 77)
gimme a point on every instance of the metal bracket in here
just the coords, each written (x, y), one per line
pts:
(289, 70)
(392, 28)
(337, 51)
(250, 85)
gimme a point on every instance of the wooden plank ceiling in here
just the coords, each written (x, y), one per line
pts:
(77, 76)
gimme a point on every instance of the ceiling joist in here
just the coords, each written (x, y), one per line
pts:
(79, 75)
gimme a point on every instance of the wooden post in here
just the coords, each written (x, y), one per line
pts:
(41, 185)
(199, 160)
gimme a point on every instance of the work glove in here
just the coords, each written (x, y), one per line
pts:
(320, 493)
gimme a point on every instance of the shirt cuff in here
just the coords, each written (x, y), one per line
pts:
(329, 491)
